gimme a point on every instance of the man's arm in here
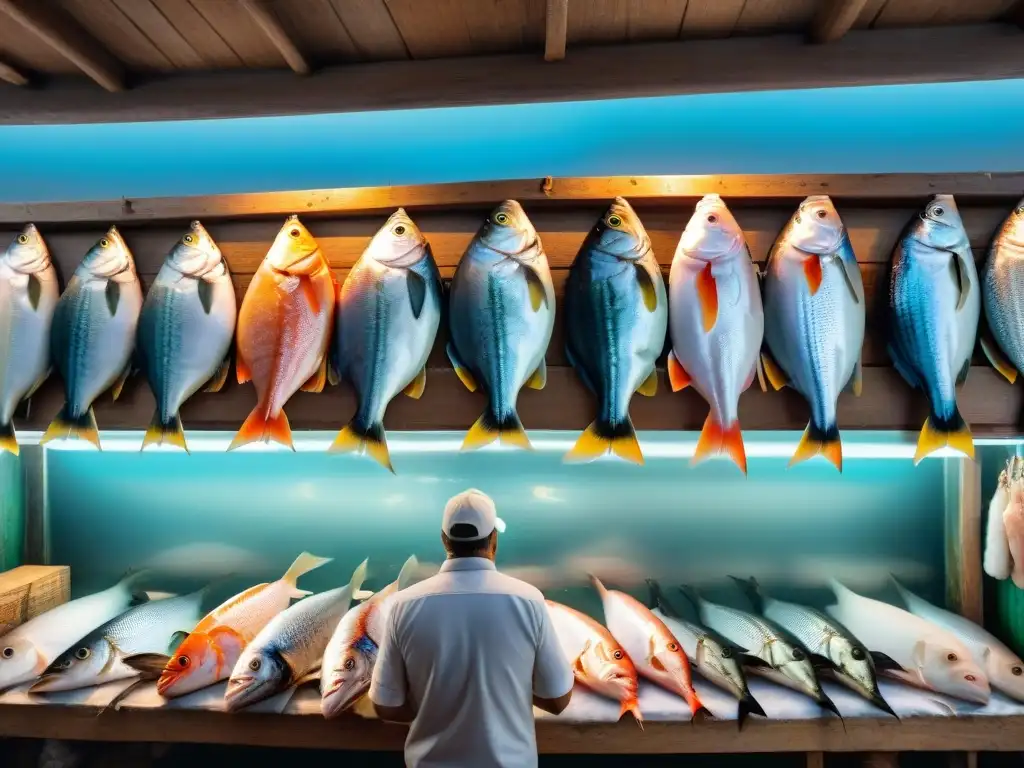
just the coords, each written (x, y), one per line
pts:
(552, 675)
(554, 706)
(404, 714)
(388, 687)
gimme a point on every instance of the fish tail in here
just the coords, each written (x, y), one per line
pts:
(603, 437)
(938, 432)
(508, 430)
(66, 426)
(632, 706)
(718, 440)
(167, 432)
(304, 563)
(259, 428)
(369, 440)
(817, 441)
(8, 442)
(408, 572)
(698, 712)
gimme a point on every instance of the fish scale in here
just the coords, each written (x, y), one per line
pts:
(1003, 295)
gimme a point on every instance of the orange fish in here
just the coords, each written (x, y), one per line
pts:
(283, 331)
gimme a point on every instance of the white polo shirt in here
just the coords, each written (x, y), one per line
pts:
(468, 648)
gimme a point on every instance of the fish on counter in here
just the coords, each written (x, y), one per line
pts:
(657, 654)
(832, 647)
(502, 313)
(284, 328)
(598, 661)
(28, 649)
(388, 312)
(93, 335)
(814, 320)
(934, 308)
(772, 652)
(289, 649)
(616, 314)
(185, 331)
(157, 626)
(28, 297)
(716, 323)
(1002, 293)
(924, 654)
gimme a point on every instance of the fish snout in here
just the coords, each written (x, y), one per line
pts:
(46, 683)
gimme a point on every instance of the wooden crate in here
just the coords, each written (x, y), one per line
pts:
(29, 590)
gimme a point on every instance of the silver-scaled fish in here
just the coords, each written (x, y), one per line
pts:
(93, 335)
(716, 323)
(158, 626)
(28, 298)
(1002, 291)
(814, 320)
(833, 648)
(288, 651)
(782, 659)
(616, 313)
(502, 313)
(934, 308)
(388, 312)
(185, 330)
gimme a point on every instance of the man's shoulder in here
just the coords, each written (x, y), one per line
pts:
(517, 588)
(450, 583)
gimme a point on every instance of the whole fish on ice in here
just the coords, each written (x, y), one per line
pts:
(185, 330)
(814, 320)
(28, 298)
(1002, 292)
(93, 335)
(502, 313)
(388, 312)
(934, 308)
(716, 323)
(616, 313)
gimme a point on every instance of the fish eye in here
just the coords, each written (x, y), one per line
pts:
(501, 218)
(798, 655)
(399, 230)
(858, 654)
(350, 664)
(183, 661)
(1020, 210)
(82, 654)
(797, 219)
(821, 214)
(712, 218)
(22, 239)
(104, 242)
(254, 665)
(9, 653)
(1017, 671)
(294, 232)
(727, 653)
(952, 657)
(938, 210)
(673, 647)
(970, 678)
(614, 220)
(618, 655)
(188, 239)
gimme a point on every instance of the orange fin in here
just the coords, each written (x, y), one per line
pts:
(65, 426)
(8, 443)
(371, 441)
(773, 372)
(707, 295)
(242, 371)
(818, 442)
(599, 439)
(716, 440)
(539, 378)
(165, 433)
(677, 375)
(812, 272)
(318, 380)
(957, 435)
(417, 385)
(487, 429)
(309, 293)
(998, 359)
(258, 428)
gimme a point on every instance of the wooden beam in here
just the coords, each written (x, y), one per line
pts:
(10, 75)
(963, 537)
(271, 26)
(834, 19)
(556, 30)
(863, 57)
(67, 37)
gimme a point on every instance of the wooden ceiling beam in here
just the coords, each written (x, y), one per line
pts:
(556, 30)
(271, 26)
(834, 19)
(10, 75)
(67, 37)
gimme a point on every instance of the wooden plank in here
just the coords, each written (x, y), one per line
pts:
(106, 22)
(193, 26)
(906, 13)
(711, 18)
(468, 27)
(315, 27)
(869, 13)
(963, 537)
(616, 21)
(764, 16)
(880, 760)
(237, 28)
(835, 18)
(152, 23)
(29, 52)
(267, 21)
(10, 75)
(555, 30)
(30, 590)
(372, 29)
(656, 20)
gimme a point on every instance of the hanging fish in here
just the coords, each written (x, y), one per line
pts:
(185, 331)
(716, 324)
(922, 653)
(284, 328)
(28, 298)
(502, 309)
(814, 320)
(1002, 290)
(93, 335)
(616, 313)
(832, 647)
(289, 649)
(934, 307)
(388, 312)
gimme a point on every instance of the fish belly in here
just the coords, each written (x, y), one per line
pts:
(628, 629)
(24, 345)
(1004, 302)
(880, 627)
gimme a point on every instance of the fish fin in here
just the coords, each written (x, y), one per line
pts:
(750, 660)
(318, 380)
(177, 638)
(596, 583)
(35, 290)
(699, 713)
(752, 591)
(417, 291)
(8, 442)
(692, 595)
(918, 654)
(370, 441)
(678, 378)
(149, 665)
(856, 383)
(885, 663)
(748, 705)
(812, 273)
(776, 377)
(647, 289)
(259, 428)
(205, 291)
(362, 594)
(407, 575)
(242, 372)
(65, 426)
(762, 382)
(963, 279)
(35, 388)
(333, 365)
(656, 599)
(118, 385)
(539, 379)
(846, 266)
(538, 294)
(707, 297)
(601, 438)
(416, 387)
(358, 577)
(819, 442)
(997, 359)
(303, 564)
(633, 707)
(716, 440)
(165, 432)
(649, 386)
(936, 434)
(113, 296)
(507, 430)
(460, 370)
(821, 663)
(220, 376)
(309, 293)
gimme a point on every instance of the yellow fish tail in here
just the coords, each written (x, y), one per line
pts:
(370, 441)
(8, 442)
(507, 430)
(602, 437)
(167, 432)
(939, 433)
(69, 427)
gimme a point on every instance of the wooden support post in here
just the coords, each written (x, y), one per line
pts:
(815, 760)
(880, 760)
(37, 524)
(556, 30)
(271, 26)
(963, 537)
(834, 19)
(10, 75)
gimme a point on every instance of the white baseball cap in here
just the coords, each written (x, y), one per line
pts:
(475, 508)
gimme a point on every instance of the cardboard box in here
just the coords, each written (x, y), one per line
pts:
(29, 590)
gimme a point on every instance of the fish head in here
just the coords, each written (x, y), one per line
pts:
(792, 662)
(668, 658)
(610, 671)
(855, 664)
(258, 674)
(399, 243)
(196, 663)
(110, 258)
(1005, 672)
(78, 667)
(295, 251)
(712, 231)
(939, 225)
(720, 664)
(27, 254)
(20, 660)
(196, 254)
(350, 677)
(1013, 228)
(509, 231)
(951, 670)
(816, 226)
(620, 233)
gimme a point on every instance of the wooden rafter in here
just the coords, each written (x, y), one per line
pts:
(10, 75)
(834, 19)
(556, 30)
(271, 26)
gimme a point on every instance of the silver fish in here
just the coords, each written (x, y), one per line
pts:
(389, 309)
(185, 330)
(28, 298)
(289, 649)
(616, 314)
(93, 335)
(1002, 291)
(934, 308)
(814, 320)
(158, 626)
(502, 309)
(716, 322)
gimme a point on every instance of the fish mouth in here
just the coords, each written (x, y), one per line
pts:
(242, 691)
(45, 683)
(332, 705)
